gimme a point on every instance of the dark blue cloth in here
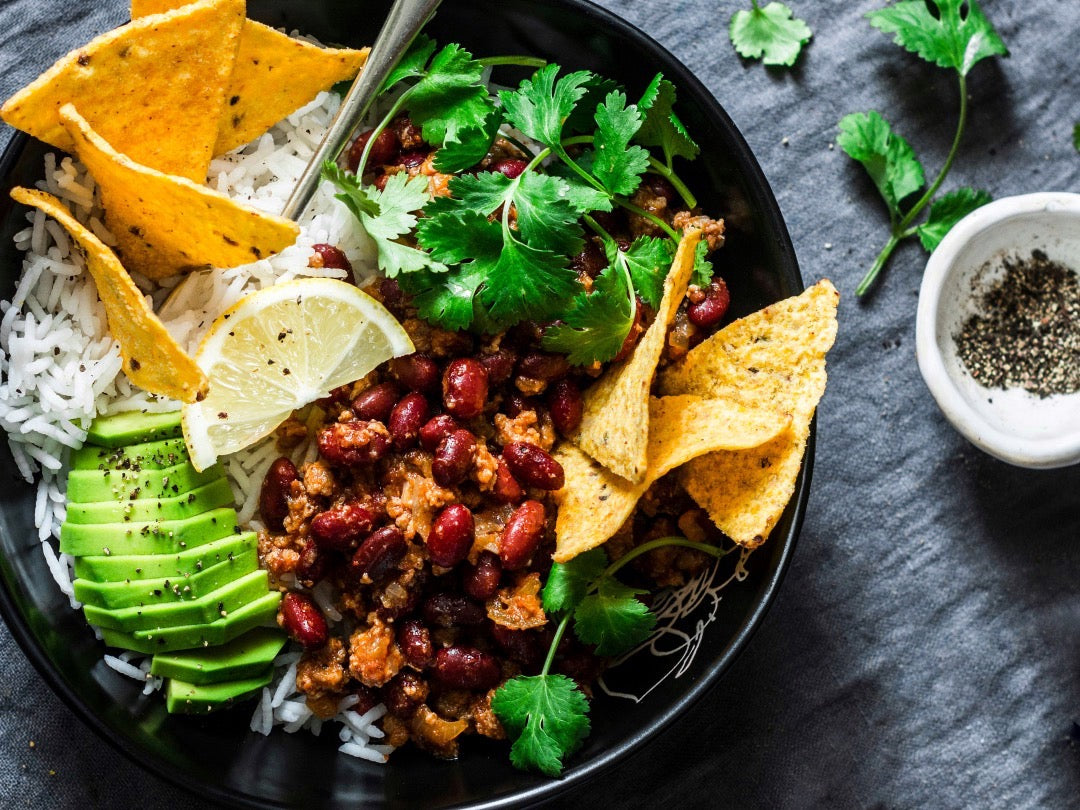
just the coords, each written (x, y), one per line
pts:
(923, 651)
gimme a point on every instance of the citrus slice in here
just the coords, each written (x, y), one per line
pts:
(279, 349)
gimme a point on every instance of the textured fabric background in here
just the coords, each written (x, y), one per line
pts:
(923, 651)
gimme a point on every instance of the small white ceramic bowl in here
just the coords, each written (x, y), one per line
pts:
(1013, 425)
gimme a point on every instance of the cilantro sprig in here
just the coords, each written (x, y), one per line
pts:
(957, 37)
(546, 714)
(771, 33)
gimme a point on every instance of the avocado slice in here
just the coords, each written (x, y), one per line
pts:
(131, 427)
(147, 537)
(213, 605)
(113, 595)
(254, 614)
(209, 496)
(133, 567)
(245, 657)
(91, 486)
(145, 456)
(188, 698)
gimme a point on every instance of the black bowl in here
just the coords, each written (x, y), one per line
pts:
(217, 756)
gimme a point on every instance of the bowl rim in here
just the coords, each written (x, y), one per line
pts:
(1042, 453)
(575, 775)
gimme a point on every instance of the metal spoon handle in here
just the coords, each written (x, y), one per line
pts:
(403, 23)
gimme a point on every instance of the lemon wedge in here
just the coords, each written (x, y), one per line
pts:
(279, 349)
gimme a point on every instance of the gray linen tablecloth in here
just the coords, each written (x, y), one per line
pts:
(923, 651)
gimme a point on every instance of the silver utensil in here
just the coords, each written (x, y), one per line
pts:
(403, 23)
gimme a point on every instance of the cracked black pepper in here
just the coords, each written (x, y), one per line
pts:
(1026, 333)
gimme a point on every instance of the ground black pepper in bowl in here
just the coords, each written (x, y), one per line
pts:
(1026, 333)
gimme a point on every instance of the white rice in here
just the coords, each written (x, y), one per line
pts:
(60, 367)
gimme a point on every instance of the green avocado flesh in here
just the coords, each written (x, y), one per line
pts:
(91, 486)
(254, 614)
(207, 608)
(189, 698)
(137, 592)
(145, 456)
(134, 567)
(147, 537)
(178, 507)
(132, 427)
(245, 657)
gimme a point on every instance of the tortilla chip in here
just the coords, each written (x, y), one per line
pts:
(274, 75)
(165, 224)
(152, 360)
(774, 358)
(595, 502)
(154, 89)
(615, 427)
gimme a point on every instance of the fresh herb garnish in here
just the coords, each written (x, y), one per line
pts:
(546, 714)
(954, 34)
(1076, 136)
(772, 34)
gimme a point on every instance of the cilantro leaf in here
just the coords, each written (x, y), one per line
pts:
(582, 197)
(450, 97)
(597, 323)
(1076, 136)
(616, 164)
(386, 216)
(547, 715)
(703, 269)
(947, 211)
(445, 299)
(661, 127)
(541, 105)
(648, 260)
(613, 618)
(545, 216)
(412, 63)
(468, 146)
(526, 283)
(581, 118)
(772, 34)
(569, 581)
(949, 39)
(887, 157)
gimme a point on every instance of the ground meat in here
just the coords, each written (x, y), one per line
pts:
(413, 497)
(301, 508)
(527, 426)
(318, 479)
(290, 433)
(374, 656)
(712, 230)
(278, 553)
(321, 672)
(396, 730)
(484, 720)
(484, 467)
(434, 341)
(518, 607)
(401, 593)
(656, 204)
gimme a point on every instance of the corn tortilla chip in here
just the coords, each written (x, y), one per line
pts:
(165, 224)
(595, 502)
(154, 89)
(774, 358)
(152, 360)
(273, 76)
(615, 427)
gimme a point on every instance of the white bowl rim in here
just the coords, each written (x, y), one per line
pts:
(1024, 452)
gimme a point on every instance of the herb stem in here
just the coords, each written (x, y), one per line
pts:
(394, 108)
(930, 192)
(584, 175)
(577, 140)
(667, 172)
(879, 263)
(559, 632)
(641, 212)
(523, 61)
(652, 545)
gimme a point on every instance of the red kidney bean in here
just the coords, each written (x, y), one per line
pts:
(376, 402)
(499, 365)
(407, 418)
(414, 639)
(543, 366)
(329, 256)
(660, 187)
(383, 151)
(521, 535)
(405, 693)
(590, 262)
(368, 698)
(581, 665)
(311, 567)
(709, 312)
(465, 387)
(514, 403)
(566, 406)
(357, 443)
(533, 466)
(506, 488)
(381, 180)
(302, 620)
(339, 526)
(451, 536)
(390, 293)
(380, 553)
(632, 337)
(436, 429)
(522, 646)
(453, 458)
(510, 167)
(412, 160)
(481, 581)
(273, 497)
(462, 667)
(452, 610)
(417, 372)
